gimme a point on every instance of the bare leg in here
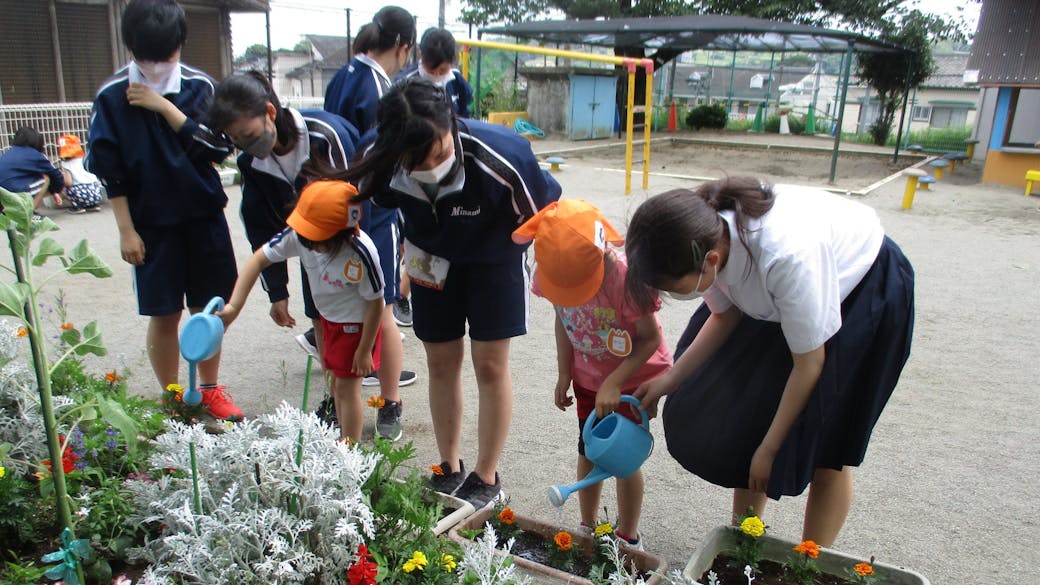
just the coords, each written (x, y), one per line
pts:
(491, 363)
(163, 348)
(346, 392)
(744, 499)
(445, 366)
(630, 504)
(830, 497)
(588, 498)
(391, 357)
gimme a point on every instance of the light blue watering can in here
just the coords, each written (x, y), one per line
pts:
(616, 446)
(200, 340)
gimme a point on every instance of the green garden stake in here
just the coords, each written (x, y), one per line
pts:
(758, 125)
(195, 479)
(810, 121)
(307, 382)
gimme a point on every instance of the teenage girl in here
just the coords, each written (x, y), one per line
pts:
(786, 367)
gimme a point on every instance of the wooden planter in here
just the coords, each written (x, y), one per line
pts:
(724, 539)
(643, 561)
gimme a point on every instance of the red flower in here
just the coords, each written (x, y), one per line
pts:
(363, 572)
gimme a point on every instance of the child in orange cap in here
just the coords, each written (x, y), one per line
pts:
(342, 266)
(605, 346)
(82, 187)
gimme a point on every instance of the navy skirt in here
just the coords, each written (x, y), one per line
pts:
(717, 418)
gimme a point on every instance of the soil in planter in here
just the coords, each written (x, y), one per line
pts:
(768, 573)
(533, 547)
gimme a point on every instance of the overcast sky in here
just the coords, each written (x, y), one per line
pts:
(292, 18)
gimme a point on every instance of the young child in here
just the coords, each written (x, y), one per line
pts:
(605, 345)
(156, 162)
(342, 266)
(82, 188)
(25, 169)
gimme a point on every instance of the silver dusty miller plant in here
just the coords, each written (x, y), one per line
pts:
(482, 564)
(264, 518)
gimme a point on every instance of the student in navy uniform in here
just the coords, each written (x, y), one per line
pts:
(284, 149)
(381, 49)
(437, 64)
(156, 162)
(25, 169)
(462, 186)
(786, 367)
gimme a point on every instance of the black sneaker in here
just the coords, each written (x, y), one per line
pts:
(478, 493)
(326, 412)
(308, 343)
(407, 378)
(446, 482)
(388, 420)
(402, 311)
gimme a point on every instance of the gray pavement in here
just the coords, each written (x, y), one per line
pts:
(949, 482)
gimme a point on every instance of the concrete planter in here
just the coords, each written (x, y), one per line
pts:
(643, 561)
(454, 509)
(724, 538)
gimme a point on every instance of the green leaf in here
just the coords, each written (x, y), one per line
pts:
(115, 415)
(48, 247)
(70, 336)
(18, 207)
(12, 299)
(91, 342)
(83, 259)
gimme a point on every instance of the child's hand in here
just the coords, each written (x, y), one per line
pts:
(142, 96)
(131, 247)
(280, 314)
(607, 400)
(363, 362)
(562, 399)
(761, 467)
(228, 314)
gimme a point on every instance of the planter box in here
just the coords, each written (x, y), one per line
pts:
(455, 511)
(643, 561)
(724, 538)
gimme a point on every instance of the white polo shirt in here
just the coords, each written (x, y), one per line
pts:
(341, 284)
(810, 250)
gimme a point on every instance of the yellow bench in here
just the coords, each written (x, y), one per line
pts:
(1030, 177)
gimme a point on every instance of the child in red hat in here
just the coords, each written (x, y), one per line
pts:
(82, 187)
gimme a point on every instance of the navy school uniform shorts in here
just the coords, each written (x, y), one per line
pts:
(492, 298)
(191, 263)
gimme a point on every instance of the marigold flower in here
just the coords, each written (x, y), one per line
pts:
(376, 401)
(175, 388)
(112, 377)
(436, 469)
(753, 526)
(418, 561)
(563, 540)
(21, 332)
(603, 529)
(506, 516)
(808, 548)
(863, 569)
(66, 326)
(448, 563)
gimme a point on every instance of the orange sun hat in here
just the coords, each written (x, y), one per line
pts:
(69, 146)
(570, 237)
(324, 210)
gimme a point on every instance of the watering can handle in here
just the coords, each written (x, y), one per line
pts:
(591, 421)
(216, 304)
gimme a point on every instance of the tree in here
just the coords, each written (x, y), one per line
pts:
(255, 53)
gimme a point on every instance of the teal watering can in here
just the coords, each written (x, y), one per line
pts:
(616, 446)
(200, 340)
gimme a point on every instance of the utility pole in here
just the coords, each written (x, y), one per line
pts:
(350, 42)
(440, 13)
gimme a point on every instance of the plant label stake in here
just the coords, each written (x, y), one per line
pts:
(200, 340)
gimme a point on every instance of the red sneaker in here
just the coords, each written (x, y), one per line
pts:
(219, 405)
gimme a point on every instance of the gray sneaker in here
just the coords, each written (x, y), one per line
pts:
(478, 493)
(388, 421)
(402, 311)
(446, 482)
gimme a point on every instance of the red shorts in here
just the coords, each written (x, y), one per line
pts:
(341, 343)
(586, 401)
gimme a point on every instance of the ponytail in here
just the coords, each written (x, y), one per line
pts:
(246, 95)
(390, 28)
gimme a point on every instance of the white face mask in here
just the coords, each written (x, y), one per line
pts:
(156, 71)
(438, 80)
(437, 173)
(694, 294)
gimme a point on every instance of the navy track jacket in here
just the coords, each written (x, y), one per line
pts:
(458, 89)
(354, 93)
(22, 169)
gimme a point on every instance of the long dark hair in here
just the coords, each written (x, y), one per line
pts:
(436, 47)
(412, 116)
(671, 233)
(390, 28)
(245, 95)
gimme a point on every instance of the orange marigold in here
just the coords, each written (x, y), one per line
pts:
(563, 540)
(808, 548)
(112, 377)
(507, 516)
(21, 332)
(436, 469)
(863, 569)
(66, 326)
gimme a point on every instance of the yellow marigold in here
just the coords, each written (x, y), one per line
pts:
(3, 471)
(175, 388)
(376, 401)
(448, 563)
(21, 332)
(563, 540)
(863, 569)
(418, 561)
(112, 377)
(436, 469)
(603, 529)
(808, 548)
(507, 516)
(66, 326)
(753, 526)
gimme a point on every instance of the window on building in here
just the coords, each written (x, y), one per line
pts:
(921, 113)
(1024, 119)
(943, 117)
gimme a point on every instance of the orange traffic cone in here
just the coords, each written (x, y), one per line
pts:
(672, 123)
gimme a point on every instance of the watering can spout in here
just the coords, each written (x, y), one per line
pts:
(558, 494)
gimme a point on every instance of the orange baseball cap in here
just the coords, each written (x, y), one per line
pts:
(69, 146)
(570, 237)
(324, 209)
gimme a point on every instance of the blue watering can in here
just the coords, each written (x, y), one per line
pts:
(616, 446)
(200, 340)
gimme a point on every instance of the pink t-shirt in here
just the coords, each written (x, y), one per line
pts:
(602, 332)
